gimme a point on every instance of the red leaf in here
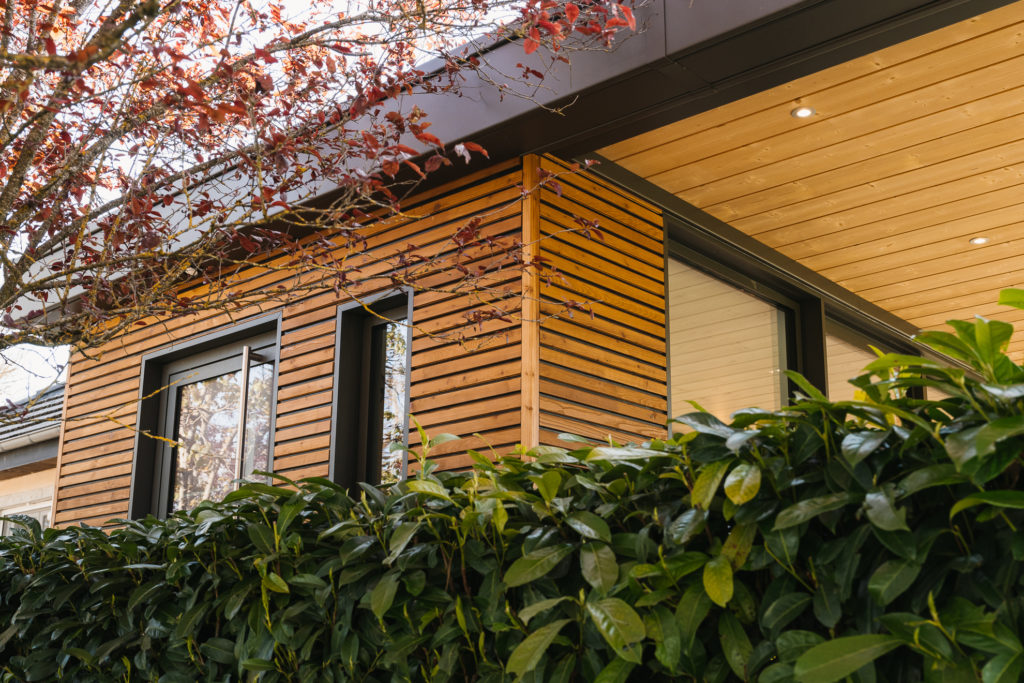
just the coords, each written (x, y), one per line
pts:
(435, 162)
(473, 147)
(628, 13)
(429, 138)
(415, 168)
(571, 12)
(51, 47)
(530, 46)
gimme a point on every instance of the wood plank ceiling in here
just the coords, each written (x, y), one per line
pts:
(913, 151)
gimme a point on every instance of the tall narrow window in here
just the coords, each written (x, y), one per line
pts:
(385, 345)
(213, 420)
(371, 392)
(727, 347)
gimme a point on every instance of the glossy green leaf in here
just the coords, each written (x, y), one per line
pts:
(743, 483)
(529, 652)
(892, 578)
(618, 624)
(738, 544)
(706, 486)
(776, 673)
(718, 580)
(663, 629)
(687, 526)
(1005, 667)
(1012, 297)
(275, 583)
(532, 610)
(706, 423)
(880, 507)
(623, 453)
(427, 487)
(617, 671)
(536, 564)
(589, 525)
(812, 391)
(811, 508)
(400, 538)
(783, 610)
(289, 511)
(547, 484)
(443, 438)
(599, 567)
(791, 645)
(835, 659)
(220, 650)
(1002, 499)
(858, 445)
(926, 477)
(383, 594)
(828, 608)
(735, 644)
(692, 609)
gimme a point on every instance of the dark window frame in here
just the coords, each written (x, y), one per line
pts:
(151, 481)
(350, 443)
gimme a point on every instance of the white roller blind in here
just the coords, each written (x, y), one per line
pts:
(846, 360)
(726, 347)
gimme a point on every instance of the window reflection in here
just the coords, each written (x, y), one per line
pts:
(206, 462)
(392, 341)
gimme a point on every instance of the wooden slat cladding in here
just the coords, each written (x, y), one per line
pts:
(913, 150)
(465, 373)
(603, 368)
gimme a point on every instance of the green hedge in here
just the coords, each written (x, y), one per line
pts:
(878, 540)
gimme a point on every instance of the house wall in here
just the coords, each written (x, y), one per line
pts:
(465, 377)
(602, 369)
(515, 376)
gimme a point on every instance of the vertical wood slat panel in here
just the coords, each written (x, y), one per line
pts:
(96, 445)
(626, 373)
(531, 304)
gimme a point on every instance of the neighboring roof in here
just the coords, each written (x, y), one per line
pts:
(42, 418)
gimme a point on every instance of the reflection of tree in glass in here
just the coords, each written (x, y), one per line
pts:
(393, 429)
(207, 435)
(257, 421)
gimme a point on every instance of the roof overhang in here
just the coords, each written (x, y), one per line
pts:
(914, 151)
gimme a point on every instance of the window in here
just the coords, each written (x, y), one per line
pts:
(211, 405)
(39, 511)
(371, 391)
(727, 348)
(848, 353)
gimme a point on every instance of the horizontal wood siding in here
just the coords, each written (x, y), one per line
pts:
(602, 368)
(465, 376)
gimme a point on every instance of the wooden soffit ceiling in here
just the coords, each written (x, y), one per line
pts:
(913, 151)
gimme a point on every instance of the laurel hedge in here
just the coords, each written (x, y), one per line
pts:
(871, 540)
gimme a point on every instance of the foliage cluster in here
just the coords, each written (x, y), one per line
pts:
(870, 540)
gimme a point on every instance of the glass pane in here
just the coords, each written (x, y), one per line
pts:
(257, 421)
(393, 410)
(206, 462)
(727, 348)
(846, 360)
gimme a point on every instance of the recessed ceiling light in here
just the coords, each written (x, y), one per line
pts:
(979, 240)
(802, 113)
